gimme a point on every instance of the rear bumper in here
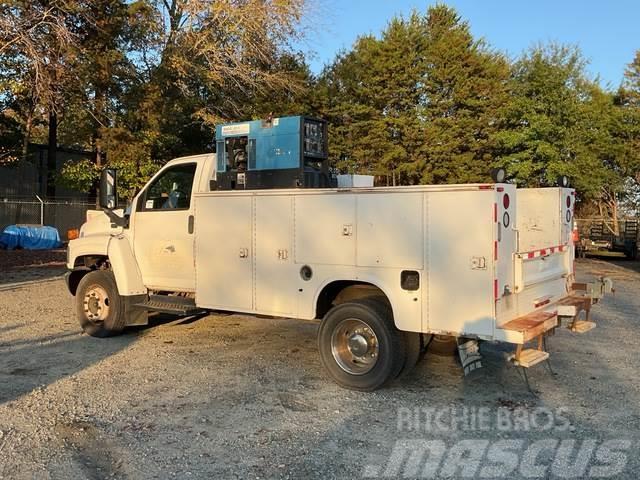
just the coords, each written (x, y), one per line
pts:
(581, 298)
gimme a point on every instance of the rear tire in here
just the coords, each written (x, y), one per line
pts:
(359, 345)
(413, 345)
(443, 345)
(99, 308)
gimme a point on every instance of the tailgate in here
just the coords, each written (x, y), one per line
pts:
(544, 250)
(543, 265)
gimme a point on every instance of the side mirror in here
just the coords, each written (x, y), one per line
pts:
(108, 190)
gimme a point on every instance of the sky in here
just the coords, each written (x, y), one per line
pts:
(607, 31)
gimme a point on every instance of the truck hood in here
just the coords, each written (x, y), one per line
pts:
(98, 223)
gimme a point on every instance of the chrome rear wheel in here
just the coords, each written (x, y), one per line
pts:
(354, 346)
(359, 345)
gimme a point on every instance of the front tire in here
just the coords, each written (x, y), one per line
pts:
(360, 346)
(99, 308)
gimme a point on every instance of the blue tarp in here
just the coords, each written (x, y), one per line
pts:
(29, 238)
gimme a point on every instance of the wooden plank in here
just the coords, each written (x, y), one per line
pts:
(530, 357)
(582, 326)
(540, 328)
(576, 301)
(529, 321)
(533, 324)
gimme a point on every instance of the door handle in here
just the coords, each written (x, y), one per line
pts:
(190, 224)
(244, 252)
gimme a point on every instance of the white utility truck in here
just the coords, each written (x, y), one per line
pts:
(382, 268)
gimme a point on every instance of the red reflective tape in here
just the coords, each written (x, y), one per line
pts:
(544, 302)
(495, 289)
(495, 212)
(485, 187)
(500, 189)
(544, 251)
(495, 250)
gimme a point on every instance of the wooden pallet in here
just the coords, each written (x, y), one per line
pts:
(529, 357)
(582, 304)
(582, 326)
(579, 301)
(533, 324)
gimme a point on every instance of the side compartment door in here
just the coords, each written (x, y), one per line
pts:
(276, 275)
(224, 256)
(461, 279)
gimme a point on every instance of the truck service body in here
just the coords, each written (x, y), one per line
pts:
(383, 267)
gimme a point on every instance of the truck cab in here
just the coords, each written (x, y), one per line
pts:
(157, 232)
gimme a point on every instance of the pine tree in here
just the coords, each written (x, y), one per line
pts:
(417, 105)
(462, 90)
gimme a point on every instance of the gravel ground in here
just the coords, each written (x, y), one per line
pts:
(18, 266)
(241, 397)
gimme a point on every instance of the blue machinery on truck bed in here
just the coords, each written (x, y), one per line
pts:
(285, 152)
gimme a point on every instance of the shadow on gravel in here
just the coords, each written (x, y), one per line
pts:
(619, 261)
(8, 328)
(31, 273)
(164, 319)
(27, 365)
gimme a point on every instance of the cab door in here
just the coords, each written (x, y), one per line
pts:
(163, 229)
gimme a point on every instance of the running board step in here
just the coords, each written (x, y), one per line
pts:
(171, 304)
(582, 326)
(529, 357)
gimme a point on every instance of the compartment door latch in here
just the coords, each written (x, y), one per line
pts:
(478, 263)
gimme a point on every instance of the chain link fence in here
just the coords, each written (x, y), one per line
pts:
(60, 213)
(625, 227)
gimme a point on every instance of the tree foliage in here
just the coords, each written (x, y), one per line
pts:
(142, 81)
(419, 104)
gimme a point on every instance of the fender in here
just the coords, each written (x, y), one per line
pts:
(124, 266)
(407, 314)
(89, 245)
(360, 279)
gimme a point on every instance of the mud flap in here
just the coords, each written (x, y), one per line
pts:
(135, 314)
(469, 352)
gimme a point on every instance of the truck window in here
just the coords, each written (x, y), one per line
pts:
(172, 189)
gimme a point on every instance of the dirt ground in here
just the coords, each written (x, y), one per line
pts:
(18, 266)
(241, 397)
